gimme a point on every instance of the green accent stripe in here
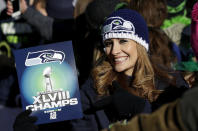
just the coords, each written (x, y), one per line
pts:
(177, 9)
(120, 5)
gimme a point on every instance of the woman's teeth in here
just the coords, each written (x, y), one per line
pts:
(120, 59)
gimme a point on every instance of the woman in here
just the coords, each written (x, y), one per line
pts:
(125, 60)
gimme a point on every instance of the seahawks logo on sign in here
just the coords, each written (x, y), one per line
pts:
(45, 56)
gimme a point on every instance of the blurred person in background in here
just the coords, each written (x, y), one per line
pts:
(177, 19)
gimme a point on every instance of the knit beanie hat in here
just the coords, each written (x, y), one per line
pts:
(126, 23)
(177, 13)
(176, 7)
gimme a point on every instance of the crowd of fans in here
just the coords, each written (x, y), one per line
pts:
(160, 90)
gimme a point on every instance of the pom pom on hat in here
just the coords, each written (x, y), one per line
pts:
(126, 23)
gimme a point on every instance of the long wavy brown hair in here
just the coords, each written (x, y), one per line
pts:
(161, 48)
(142, 84)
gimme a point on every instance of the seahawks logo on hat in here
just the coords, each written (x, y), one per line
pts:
(119, 24)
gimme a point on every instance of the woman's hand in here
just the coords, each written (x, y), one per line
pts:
(24, 122)
(124, 104)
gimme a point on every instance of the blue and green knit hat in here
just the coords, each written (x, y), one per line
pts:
(126, 23)
(177, 13)
(176, 6)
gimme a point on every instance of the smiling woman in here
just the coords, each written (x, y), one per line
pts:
(122, 54)
(125, 36)
(126, 45)
(124, 81)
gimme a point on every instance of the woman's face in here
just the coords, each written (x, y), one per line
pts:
(122, 54)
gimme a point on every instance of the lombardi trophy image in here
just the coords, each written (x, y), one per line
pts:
(48, 84)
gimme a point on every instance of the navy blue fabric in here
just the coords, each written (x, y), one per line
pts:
(177, 52)
(61, 9)
(147, 107)
(162, 84)
(5, 87)
(171, 92)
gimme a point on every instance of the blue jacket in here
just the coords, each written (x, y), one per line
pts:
(92, 122)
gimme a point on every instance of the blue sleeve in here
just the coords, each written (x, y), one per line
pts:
(177, 52)
(147, 107)
(88, 122)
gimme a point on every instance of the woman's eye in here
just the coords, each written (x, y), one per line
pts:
(123, 41)
(107, 44)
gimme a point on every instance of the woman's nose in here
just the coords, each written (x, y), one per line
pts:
(115, 48)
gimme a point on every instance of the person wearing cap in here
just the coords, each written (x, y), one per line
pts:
(180, 115)
(177, 19)
(124, 81)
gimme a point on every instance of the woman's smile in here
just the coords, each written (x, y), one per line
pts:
(120, 60)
